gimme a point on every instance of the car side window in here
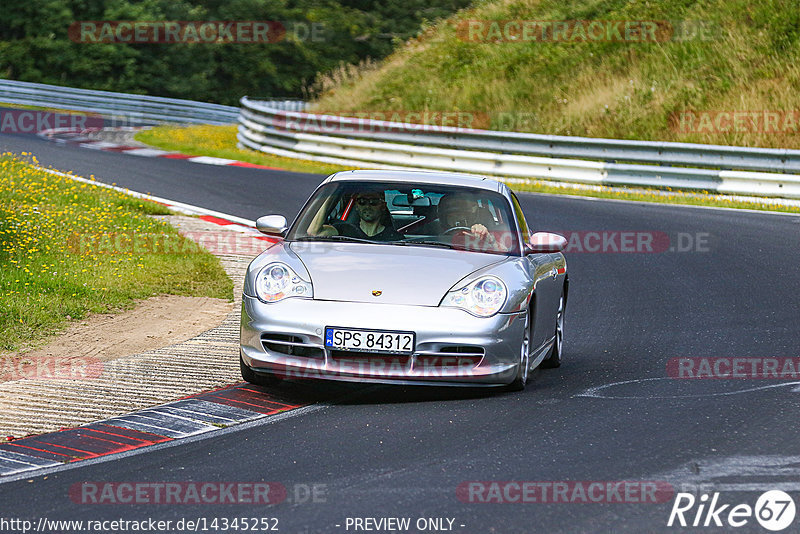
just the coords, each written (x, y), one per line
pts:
(521, 222)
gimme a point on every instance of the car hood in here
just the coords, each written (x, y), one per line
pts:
(402, 274)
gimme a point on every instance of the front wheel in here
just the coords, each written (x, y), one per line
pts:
(524, 367)
(554, 359)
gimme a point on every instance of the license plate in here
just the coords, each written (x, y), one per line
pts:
(369, 340)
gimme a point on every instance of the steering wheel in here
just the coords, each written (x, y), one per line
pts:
(454, 228)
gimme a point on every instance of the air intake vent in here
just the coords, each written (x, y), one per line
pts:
(369, 362)
(461, 349)
(291, 346)
(450, 356)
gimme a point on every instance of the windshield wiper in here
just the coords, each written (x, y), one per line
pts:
(424, 242)
(337, 238)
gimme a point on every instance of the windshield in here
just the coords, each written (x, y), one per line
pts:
(462, 218)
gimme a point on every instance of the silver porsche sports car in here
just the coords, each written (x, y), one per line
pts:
(405, 277)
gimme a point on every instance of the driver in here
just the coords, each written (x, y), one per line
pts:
(460, 211)
(374, 220)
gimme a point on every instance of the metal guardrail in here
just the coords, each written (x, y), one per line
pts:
(140, 109)
(134, 108)
(362, 142)
(283, 104)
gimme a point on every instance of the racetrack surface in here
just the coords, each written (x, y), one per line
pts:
(403, 452)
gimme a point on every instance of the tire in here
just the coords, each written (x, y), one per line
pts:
(524, 367)
(259, 379)
(554, 359)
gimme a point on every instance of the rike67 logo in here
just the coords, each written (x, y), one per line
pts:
(774, 510)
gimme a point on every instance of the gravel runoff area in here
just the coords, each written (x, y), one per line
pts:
(118, 386)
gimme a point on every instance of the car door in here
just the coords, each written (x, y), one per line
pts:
(544, 271)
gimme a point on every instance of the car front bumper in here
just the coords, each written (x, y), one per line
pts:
(452, 347)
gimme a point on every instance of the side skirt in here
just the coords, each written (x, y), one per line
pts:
(542, 351)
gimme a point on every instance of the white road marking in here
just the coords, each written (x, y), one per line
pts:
(758, 473)
(209, 160)
(161, 423)
(147, 152)
(98, 145)
(172, 204)
(13, 462)
(207, 410)
(261, 420)
(596, 392)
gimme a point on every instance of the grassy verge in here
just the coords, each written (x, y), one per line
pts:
(48, 108)
(68, 249)
(712, 55)
(658, 196)
(220, 142)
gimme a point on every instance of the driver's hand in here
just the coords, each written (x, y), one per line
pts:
(479, 231)
(483, 235)
(325, 231)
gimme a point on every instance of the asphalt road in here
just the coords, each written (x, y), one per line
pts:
(403, 452)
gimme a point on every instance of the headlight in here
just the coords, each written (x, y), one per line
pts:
(278, 281)
(484, 297)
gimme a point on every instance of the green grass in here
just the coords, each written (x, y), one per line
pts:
(67, 250)
(220, 142)
(745, 57)
(703, 198)
(47, 108)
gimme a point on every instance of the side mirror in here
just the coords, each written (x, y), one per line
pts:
(272, 225)
(543, 242)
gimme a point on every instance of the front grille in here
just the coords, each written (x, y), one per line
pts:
(460, 362)
(369, 362)
(291, 346)
(450, 356)
(462, 349)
